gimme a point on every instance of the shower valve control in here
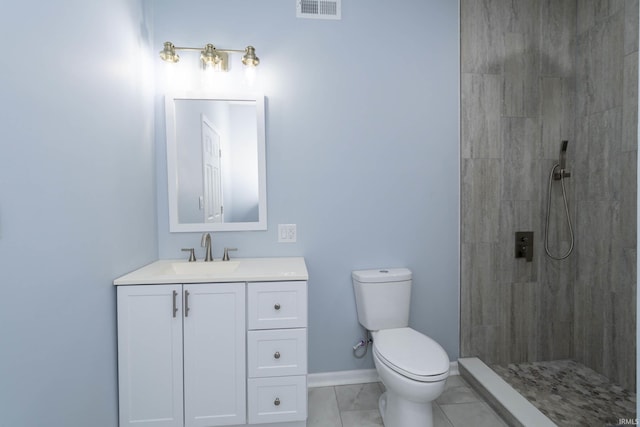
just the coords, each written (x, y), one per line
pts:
(524, 245)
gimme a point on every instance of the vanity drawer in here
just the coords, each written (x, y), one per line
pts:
(278, 352)
(276, 305)
(279, 399)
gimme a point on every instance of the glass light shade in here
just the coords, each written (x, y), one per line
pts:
(250, 59)
(209, 56)
(168, 53)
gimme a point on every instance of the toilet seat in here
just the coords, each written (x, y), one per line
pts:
(411, 354)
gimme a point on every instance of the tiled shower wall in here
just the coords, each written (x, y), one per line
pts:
(517, 106)
(605, 183)
(522, 80)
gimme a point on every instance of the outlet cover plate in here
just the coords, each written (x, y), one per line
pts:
(287, 233)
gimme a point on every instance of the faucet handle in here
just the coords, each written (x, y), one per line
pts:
(192, 253)
(225, 257)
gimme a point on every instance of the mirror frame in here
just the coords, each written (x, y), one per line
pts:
(172, 168)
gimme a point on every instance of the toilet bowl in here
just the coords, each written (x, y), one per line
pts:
(414, 374)
(412, 366)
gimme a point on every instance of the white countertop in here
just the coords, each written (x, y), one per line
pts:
(236, 270)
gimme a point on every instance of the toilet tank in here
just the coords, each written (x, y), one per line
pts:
(382, 297)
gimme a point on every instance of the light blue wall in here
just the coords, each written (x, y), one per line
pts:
(362, 151)
(77, 202)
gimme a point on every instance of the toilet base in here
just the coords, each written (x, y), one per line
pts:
(399, 412)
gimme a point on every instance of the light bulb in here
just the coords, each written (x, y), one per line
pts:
(250, 74)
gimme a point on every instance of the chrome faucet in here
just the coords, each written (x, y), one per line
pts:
(206, 244)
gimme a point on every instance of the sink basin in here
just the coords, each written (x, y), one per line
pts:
(202, 268)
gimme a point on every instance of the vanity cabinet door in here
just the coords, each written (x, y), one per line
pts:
(214, 354)
(150, 355)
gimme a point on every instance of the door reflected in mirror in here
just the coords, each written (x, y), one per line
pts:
(216, 163)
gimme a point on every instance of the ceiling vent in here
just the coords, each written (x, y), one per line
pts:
(318, 9)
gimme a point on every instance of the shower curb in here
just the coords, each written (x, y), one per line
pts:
(504, 399)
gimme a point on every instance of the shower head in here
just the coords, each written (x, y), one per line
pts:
(563, 155)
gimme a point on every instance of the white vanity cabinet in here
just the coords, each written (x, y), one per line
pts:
(181, 355)
(226, 350)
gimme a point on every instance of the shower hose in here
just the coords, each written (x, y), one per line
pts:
(566, 209)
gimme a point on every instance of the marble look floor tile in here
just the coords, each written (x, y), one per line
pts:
(357, 406)
(476, 414)
(456, 390)
(439, 418)
(363, 418)
(323, 408)
(358, 396)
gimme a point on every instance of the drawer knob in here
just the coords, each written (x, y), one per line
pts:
(277, 401)
(277, 306)
(276, 355)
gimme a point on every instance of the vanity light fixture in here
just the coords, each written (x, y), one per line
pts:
(210, 56)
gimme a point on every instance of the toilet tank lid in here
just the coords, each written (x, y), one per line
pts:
(382, 275)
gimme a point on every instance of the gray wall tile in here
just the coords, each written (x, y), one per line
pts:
(626, 234)
(599, 175)
(630, 26)
(630, 102)
(480, 199)
(524, 325)
(481, 105)
(557, 37)
(604, 54)
(556, 114)
(467, 263)
(521, 77)
(520, 147)
(590, 12)
(481, 36)
(521, 16)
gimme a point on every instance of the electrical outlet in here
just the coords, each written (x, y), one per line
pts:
(287, 233)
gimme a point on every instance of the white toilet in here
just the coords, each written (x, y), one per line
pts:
(412, 366)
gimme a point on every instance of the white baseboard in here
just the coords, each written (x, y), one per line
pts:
(358, 376)
(327, 379)
(453, 368)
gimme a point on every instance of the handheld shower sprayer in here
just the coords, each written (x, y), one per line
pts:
(563, 163)
(559, 173)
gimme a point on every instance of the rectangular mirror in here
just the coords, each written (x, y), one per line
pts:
(216, 163)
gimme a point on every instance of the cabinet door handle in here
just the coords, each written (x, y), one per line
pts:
(175, 303)
(277, 401)
(276, 355)
(277, 306)
(186, 303)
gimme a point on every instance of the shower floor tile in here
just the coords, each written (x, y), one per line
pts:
(569, 393)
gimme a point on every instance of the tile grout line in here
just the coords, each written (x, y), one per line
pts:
(335, 396)
(444, 414)
(447, 416)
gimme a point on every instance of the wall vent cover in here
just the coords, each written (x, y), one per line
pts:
(319, 9)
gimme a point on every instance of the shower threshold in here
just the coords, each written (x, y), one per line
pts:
(565, 392)
(505, 400)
